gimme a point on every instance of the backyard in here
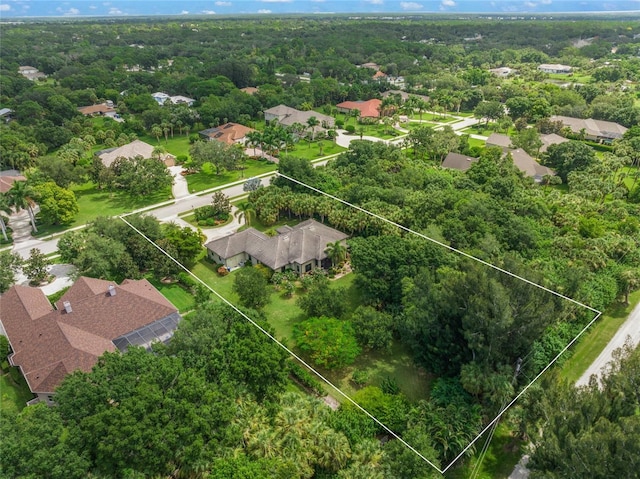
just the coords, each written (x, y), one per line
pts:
(207, 178)
(283, 314)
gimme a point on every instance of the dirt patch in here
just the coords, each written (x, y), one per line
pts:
(331, 402)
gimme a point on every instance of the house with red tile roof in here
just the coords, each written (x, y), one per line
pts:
(92, 317)
(368, 109)
(229, 133)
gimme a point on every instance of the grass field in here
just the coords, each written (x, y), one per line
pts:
(302, 150)
(178, 145)
(93, 202)
(434, 118)
(178, 295)
(14, 392)
(205, 180)
(503, 454)
(594, 340)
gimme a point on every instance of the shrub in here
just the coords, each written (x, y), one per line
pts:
(4, 349)
(350, 129)
(223, 271)
(306, 378)
(181, 159)
(360, 377)
(330, 343)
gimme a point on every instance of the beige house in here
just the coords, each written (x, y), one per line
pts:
(92, 317)
(300, 248)
(287, 116)
(595, 130)
(132, 150)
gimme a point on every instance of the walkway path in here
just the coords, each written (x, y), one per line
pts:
(180, 188)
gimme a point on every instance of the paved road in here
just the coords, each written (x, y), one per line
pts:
(630, 329)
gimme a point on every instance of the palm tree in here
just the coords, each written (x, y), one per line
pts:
(156, 131)
(312, 122)
(336, 252)
(158, 152)
(254, 139)
(20, 197)
(245, 212)
(5, 207)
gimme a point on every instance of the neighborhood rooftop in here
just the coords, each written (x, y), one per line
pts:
(92, 317)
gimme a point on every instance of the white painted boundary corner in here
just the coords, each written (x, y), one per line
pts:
(427, 238)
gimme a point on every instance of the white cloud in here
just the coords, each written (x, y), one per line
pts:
(546, 2)
(92, 7)
(411, 5)
(184, 12)
(208, 12)
(223, 4)
(264, 10)
(5, 8)
(72, 11)
(376, 2)
(115, 11)
(448, 3)
(530, 4)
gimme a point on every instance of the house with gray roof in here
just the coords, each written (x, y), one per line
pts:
(529, 166)
(300, 248)
(595, 130)
(551, 139)
(500, 140)
(456, 161)
(287, 116)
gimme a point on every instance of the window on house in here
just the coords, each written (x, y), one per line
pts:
(307, 268)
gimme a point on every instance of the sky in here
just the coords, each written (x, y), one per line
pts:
(80, 8)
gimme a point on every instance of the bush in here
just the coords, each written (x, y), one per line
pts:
(330, 343)
(4, 349)
(223, 271)
(360, 377)
(306, 378)
(350, 129)
(181, 159)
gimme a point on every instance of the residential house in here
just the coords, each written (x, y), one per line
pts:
(133, 150)
(5, 114)
(456, 161)
(530, 167)
(249, 90)
(499, 140)
(368, 109)
(551, 139)
(92, 317)
(164, 98)
(555, 68)
(288, 116)
(300, 248)
(31, 73)
(379, 76)
(503, 72)
(372, 65)
(8, 178)
(229, 133)
(594, 130)
(102, 109)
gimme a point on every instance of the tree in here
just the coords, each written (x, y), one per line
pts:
(35, 267)
(529, 140)
(186, 242)
(336, 252)
(312, 122)
(323, 300)
(374, 329)
(245, 211)
(252, 288)
(569, 156)
(489, 110)
(10, 264)
(5, 207)
(629, 281)
(330, 343)
(252, 184)
(58, 206)
(221, 156)
(141, 176)
(20, 197)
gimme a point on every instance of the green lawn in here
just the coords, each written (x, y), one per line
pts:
(93, 202)
(476, 142)
(503, 454)
(177, 294)
(205, 179)
(630, 175)
(14, 392)
(302, 150)
(178, 145)
(596, 338)
(433, 117)
(417, 124)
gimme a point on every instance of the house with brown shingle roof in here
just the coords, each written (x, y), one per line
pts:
(8, 178)
(300, 248)
(229, 133)
(456, 161)
(92, 317)
(368, 109)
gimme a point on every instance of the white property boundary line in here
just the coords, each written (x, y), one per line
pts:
(404, 228)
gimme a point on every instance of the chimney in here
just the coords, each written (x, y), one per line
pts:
(112, 290)
(67, 307)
